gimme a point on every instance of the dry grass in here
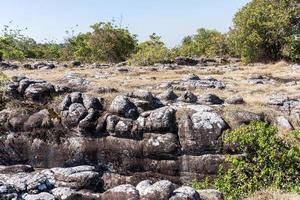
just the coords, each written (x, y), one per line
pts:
(143, 78)
(273, 195)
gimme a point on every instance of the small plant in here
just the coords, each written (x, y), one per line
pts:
(200, 185)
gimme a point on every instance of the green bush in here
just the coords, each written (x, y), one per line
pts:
(204, 43)
(266, 161)
(151, 52)
(264, 28)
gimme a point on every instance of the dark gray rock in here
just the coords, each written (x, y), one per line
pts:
(209, 99)
(122, 106)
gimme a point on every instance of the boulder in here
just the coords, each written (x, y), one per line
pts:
(121, 192)
(283, 123)
(188, 97)
(185, 61)
(160, 190)
(168, 95)
(122, 106)
(185, 193)
(200, 132)
(237, 99)
(40, 196)
(38, 120)
(210, 194)
(209, 99)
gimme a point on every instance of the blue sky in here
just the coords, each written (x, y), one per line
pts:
(171, 19)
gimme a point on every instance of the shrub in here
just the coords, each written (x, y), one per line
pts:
(151, 52)
(204, 43)
(266, 161)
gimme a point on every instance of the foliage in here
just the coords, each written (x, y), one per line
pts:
(204, 43)
(201, 185)
(267, 161)
(151, 52)
(106, 43)
(266, 30)
(109, 43)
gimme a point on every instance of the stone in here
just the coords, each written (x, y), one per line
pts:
(283, 123)
(186, 61)
(122, 106)
(188, 97)
(160, 190)
(38, 120)
(121, 192)
(200, 132)
(190, 77)
(209, 99)
(237, 99)
(206, 82)
(40, 196)
(168, 95)
(65, 193)
(210, 194)
(185, 193)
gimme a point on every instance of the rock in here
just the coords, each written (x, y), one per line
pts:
(237, 99)
(200, 132)
(39, 119)
(40, 196)
(259, 79)
(122, 106)
(65, 193)
(160, 190)
(238, 118)
(185, 193)
(144, 100)
(43, 65)
(73, 115)
(206, 82)
(121, 64)
(7, 66)
(75, 81)
(185, 61)
(209, 99)
(190, 77)
(277, 100)
(16, 123)
(104, 90)
(160, 145)
(159, 120)
(34, 90)
(188, 97)
(122, 69)
(168, 95)
(12, 169)
(75, 63)
(121, 192)
(210, 194)
(284, 123)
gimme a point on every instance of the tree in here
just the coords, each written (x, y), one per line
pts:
(263, 29)
(150, 52)
(204, 43)
(110, 43)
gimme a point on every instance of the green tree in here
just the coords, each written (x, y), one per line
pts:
(110, 43)
(263, 29)
(204, 43)
(150, 52)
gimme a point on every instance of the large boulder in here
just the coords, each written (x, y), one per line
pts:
(199, 131)
(121, 192)
(122, 106)
(160, 190)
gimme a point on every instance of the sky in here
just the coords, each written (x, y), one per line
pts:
(171, 19)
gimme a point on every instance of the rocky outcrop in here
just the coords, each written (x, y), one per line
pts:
(194, 82)
(25, 88)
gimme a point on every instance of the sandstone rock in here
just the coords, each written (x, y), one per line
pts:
(190, 77)
(210, 194)
(185, 61)
(283, 123)
(40, 196)
(122, 106)
(65, 193)
(200, 132)
(237, 99)
(206, 82)
(185, 193)
(43, 65)
(159, 190)
(121, 192)
(188, 97)
(39, 119)
(7, 66)
(168, 95)
(209, 99)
